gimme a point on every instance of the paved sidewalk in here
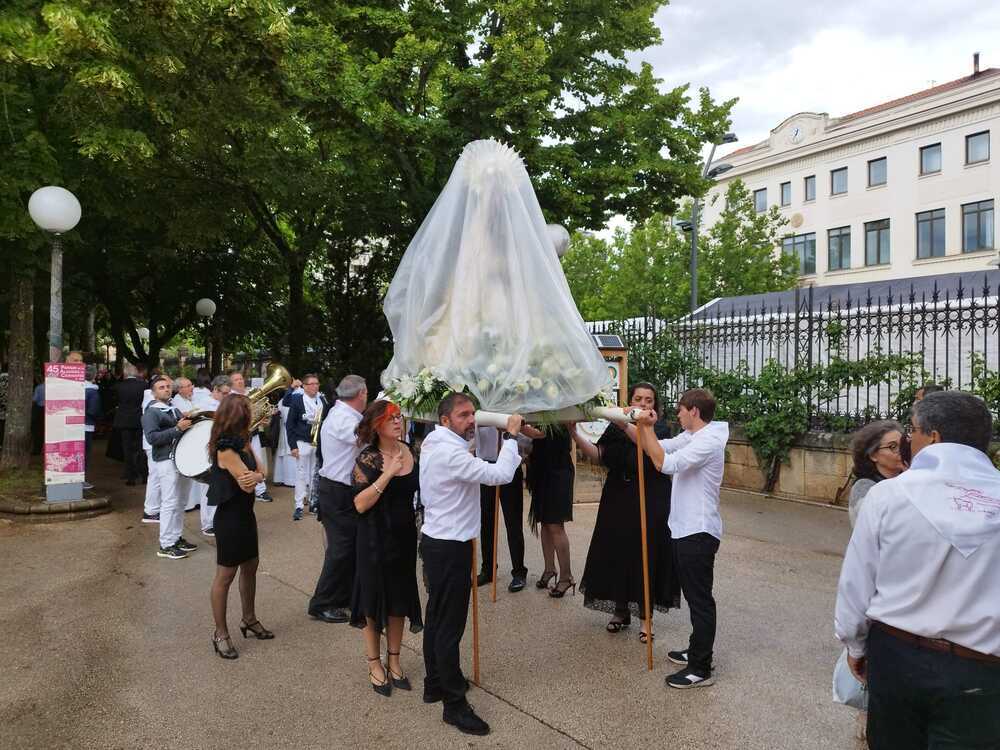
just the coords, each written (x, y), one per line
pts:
(107, 646)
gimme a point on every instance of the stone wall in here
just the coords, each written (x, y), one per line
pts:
(818, 467)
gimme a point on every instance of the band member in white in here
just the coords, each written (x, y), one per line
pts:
(332, 599)
(220, 389)
(303, 410)
(238, 385)
(450, 477)
(162, 425)
(183, 401)
(285, 466)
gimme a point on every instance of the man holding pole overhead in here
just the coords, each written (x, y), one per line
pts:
(449, 487)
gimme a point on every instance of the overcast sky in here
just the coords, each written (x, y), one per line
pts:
(781, 57)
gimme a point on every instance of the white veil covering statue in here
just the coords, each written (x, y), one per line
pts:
(480, 302)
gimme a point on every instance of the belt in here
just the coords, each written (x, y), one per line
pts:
(937, 644)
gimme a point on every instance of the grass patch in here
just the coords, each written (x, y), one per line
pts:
(22, 485)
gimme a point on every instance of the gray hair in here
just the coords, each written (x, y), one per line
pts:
(350, 386)
(220, 380)
(90, 372)
(957, 417)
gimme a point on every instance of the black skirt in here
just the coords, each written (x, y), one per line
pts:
(235, 523)
(612, 578)
(550, 479)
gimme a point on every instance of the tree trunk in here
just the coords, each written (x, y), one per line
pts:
(17, 432)
(296, 314)
(216, 364)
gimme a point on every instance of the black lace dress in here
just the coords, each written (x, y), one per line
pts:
(385, 578)
(550, 478)
(235, 523)
(612, 577)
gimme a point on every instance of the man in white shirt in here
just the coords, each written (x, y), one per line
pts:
(220, 389)
(304, 409)
(450, 477)
(697, 459)
(332, 598)
(918, 604)
(183, 401)
(238, 385)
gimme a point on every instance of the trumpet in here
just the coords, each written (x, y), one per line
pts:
(277, 378)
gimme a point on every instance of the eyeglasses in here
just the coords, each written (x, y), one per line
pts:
(396, 418)
(891, 447)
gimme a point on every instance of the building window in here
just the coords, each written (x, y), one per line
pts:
(977, 147)
(930, 159)
(877, 172)
(810, 188)
(786, 194)
(930, 234)
(760, 200)
(838, 242)
(838, 181)
(877, 242)
(977, 226)
(803, 247)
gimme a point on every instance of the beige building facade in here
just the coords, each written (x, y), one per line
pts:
(906, 188)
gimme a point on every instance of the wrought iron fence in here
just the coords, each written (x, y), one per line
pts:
(948, 334)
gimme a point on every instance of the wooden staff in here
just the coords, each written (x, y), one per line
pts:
(645, 548)
(496, 535)
(475, 619)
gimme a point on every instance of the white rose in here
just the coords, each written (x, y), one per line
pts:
(456, 387)
(535, 383)
(493, 369)
(407, 388)
(550, 367)
(483, 385)
(521, 388)
(552, 391)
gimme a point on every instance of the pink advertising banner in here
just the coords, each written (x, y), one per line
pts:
(64, 421)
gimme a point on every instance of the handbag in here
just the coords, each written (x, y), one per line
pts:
(846, 687)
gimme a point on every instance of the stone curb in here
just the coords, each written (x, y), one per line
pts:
(71, 510)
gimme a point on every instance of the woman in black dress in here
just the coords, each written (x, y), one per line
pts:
(231, 482)
(550, 480)
(612, 578)
(385, 481)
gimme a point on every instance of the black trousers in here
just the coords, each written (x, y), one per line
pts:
(448, 576)
(696, 571)
(135, 458)
(340, 522)
(512, 504)
(919, 698)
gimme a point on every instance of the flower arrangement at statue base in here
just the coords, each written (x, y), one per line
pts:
(419, 395)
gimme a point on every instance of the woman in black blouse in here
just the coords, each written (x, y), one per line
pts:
(612, 578)
(385, 481)
(231, 482)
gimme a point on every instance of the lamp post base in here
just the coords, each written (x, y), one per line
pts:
(63, 493)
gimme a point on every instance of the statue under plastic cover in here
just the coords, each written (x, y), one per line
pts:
(480, 303)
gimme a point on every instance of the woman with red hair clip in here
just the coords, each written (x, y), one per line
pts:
(384, 482)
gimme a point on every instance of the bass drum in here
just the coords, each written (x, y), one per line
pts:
(191, 452)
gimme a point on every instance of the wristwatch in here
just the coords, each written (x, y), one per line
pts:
(505, 435)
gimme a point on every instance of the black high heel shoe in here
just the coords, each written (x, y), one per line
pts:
(616, 626)
(543, 581)
(385, 686)
(259, 631)
(227, 651)
(559, 591)
(398, 681)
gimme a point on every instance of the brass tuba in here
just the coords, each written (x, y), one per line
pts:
(277, 378)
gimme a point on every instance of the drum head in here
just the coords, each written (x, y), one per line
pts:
(191, 452)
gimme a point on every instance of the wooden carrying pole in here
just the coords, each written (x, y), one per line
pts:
(475, 619)
(645, 549)
(496, 538)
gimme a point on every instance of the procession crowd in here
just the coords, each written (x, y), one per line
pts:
(917, 600)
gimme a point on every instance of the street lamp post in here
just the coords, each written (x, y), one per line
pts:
(55, 210)
(708, 171)
(206, 309)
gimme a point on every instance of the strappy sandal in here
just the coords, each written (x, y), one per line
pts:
(559, 590)
(226, 651)
(616, 626)
(259, 631)
(384, 687)
(643, 637)
(543, 580)
(398, 680)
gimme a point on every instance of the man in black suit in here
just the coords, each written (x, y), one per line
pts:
(128, 419)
